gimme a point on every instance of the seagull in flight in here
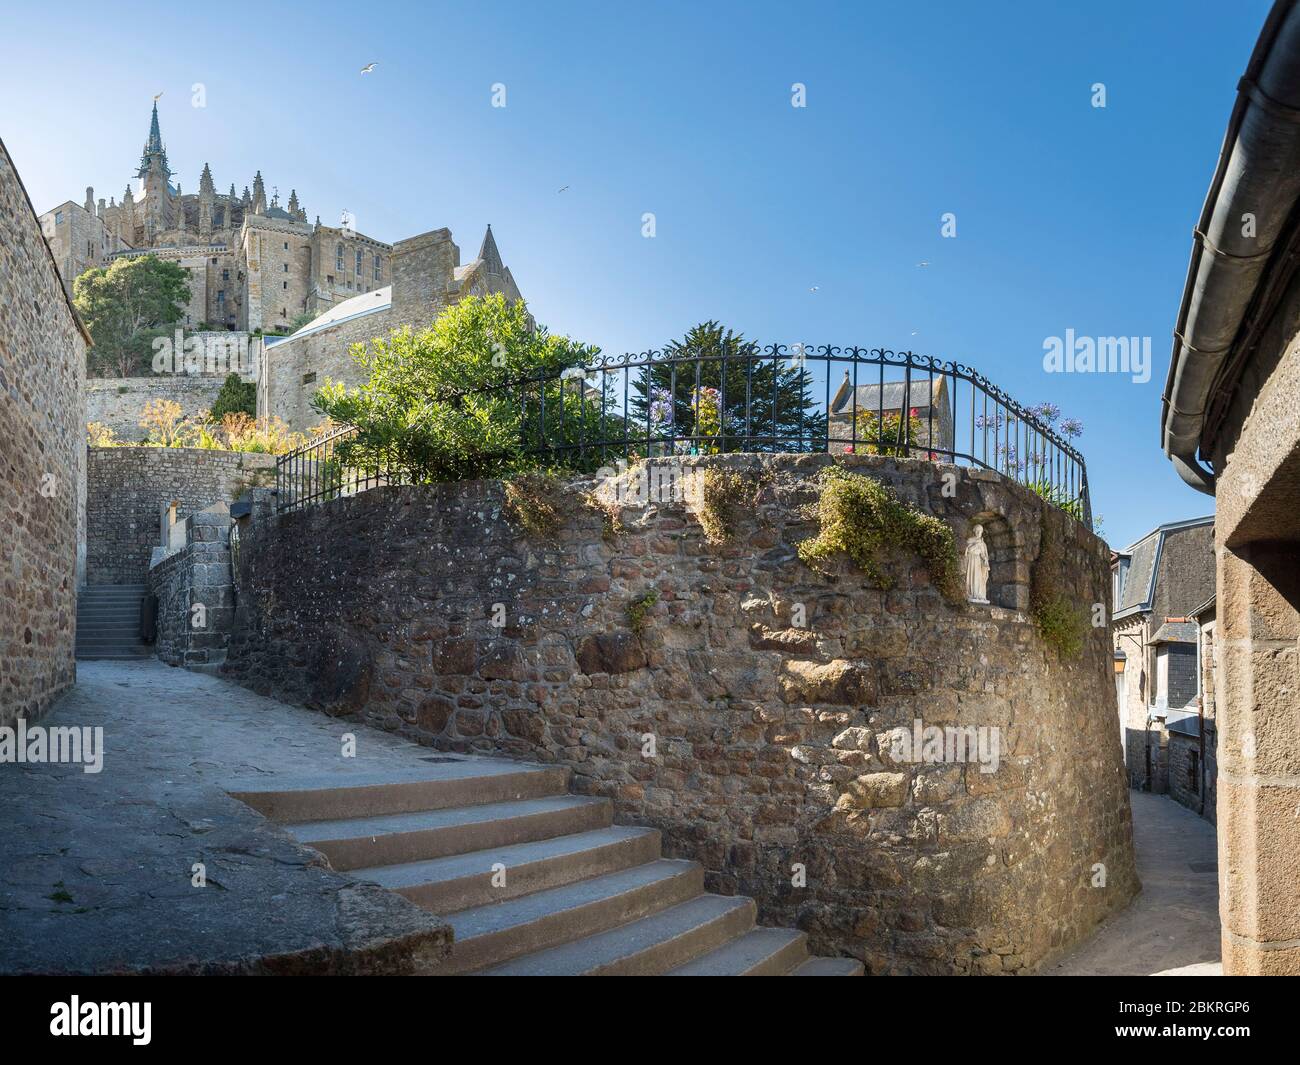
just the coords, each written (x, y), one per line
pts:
(562, 189)
(924, 262)
(369, 68)
(814, 288)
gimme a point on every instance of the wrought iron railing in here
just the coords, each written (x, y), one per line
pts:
(779, 398)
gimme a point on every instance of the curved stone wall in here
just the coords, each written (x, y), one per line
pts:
(754, 710)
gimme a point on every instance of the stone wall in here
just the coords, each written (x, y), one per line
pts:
(42, 461)
(195, 592)
(752, 713)
(118, 402)
(129, 487)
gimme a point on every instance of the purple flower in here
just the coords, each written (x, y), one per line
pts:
(1046, 412)
(1072, 427)
(661, 407)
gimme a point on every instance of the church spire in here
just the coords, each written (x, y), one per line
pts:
(153, 148)
(488, 252)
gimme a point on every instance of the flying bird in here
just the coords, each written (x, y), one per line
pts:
(814, 288)
(369, 68)
(561, 190)
(924, 262)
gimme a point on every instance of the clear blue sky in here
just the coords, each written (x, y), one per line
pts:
(1068, 216)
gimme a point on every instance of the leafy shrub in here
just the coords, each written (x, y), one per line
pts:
(862, 518)
(434, 406)
(235, 397)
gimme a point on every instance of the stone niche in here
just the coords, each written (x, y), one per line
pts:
(781, 700)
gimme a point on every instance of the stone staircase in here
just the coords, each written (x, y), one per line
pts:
(108, 622)
(532, 880)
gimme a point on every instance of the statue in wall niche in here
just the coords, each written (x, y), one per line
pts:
(977, 566)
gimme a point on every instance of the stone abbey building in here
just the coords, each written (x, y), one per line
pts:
(254, 264)
(255, 267)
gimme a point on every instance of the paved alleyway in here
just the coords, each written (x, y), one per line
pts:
(95, 869)
(1172, 927)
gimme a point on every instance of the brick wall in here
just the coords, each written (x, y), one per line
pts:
(127, 486)
(772, 739)
(42, 462)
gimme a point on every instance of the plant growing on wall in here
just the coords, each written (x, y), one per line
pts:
(722, 494)
(532, 501)
(125, 306)
(436, 407)
(1060, 621)
(862, 518)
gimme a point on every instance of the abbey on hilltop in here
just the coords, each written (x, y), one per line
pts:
(254, 265)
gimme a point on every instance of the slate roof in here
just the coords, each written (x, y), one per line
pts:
(1174, 632)
(354, 307)
(1185, 724)
(1143, 560)
(869, 397)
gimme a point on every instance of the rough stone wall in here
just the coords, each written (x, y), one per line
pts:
(42, 462)
(128, 486)
(773, 750)
(198, 575)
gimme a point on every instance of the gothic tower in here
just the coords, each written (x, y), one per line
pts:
(159, 213)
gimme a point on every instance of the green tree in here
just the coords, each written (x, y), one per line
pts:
(125, 306)
(436, 406)
(235, 397)
(692, 402)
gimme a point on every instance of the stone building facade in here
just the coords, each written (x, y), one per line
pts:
(1155, 583)
(428, 277)
(1230, 425)
(772, 697)
(130, 491)
(42, 461)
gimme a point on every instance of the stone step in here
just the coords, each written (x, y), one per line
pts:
(104, 656)
(460, 881)
(446, 783)
(491, 935)
(759, 952)
(828, 967)
(649, 946)
(104, 642)
(392, 839)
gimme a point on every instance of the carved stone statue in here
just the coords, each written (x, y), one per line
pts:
(977, 566)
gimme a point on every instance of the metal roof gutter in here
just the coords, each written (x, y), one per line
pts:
(1256, 185)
